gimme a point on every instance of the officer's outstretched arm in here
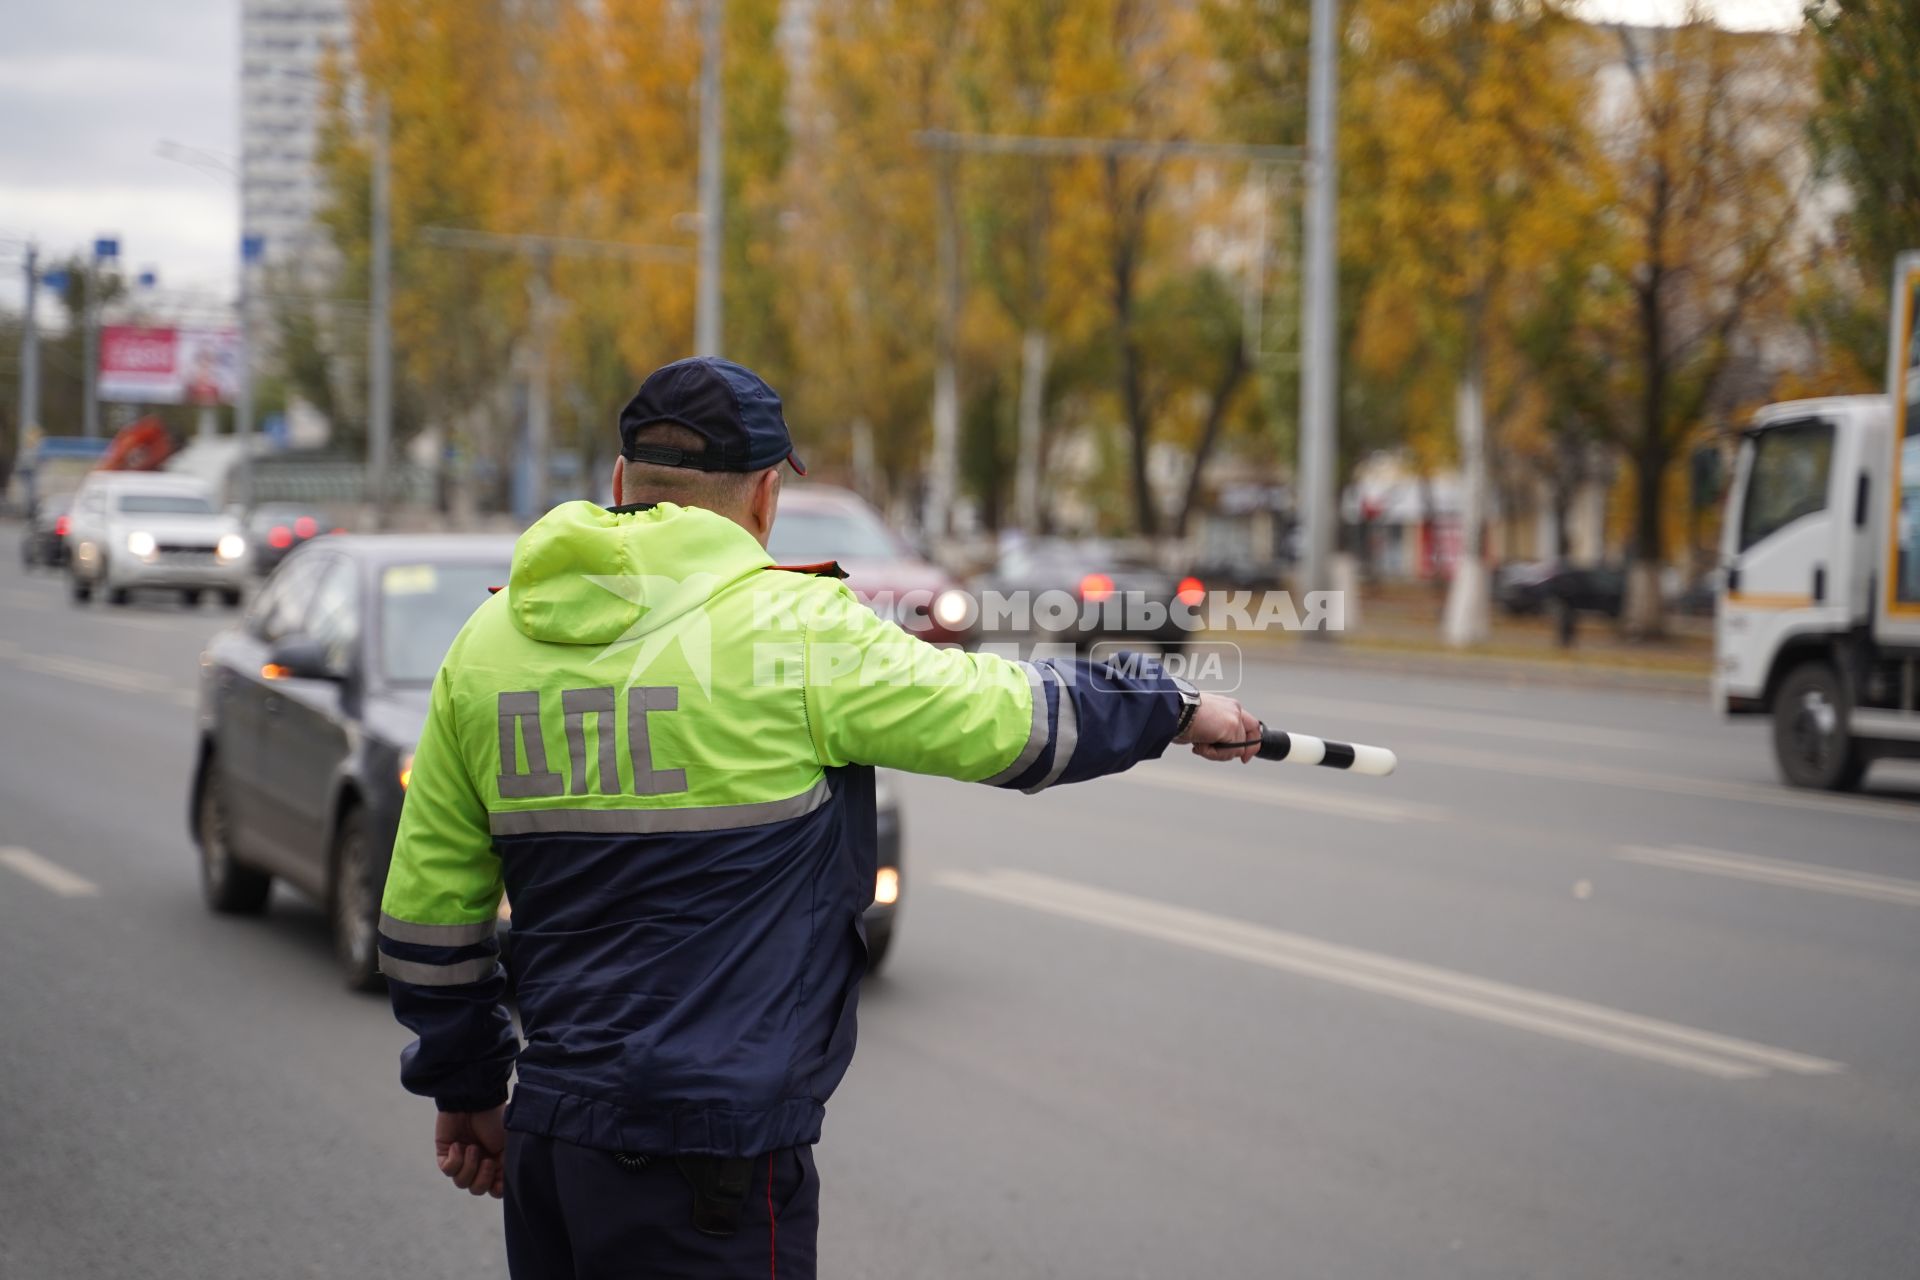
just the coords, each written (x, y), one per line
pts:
(877, 695)
(437, 921)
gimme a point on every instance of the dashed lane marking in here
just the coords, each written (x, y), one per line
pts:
(50, 876)
(1596, 1026)
(1776, 871)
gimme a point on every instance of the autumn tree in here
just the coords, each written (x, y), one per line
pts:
(1470, 145)
(1709, 165)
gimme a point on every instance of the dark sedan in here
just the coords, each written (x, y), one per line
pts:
(1058, 590)
(1523, 589)
(45, 541)
(309, 714)
(276, 528)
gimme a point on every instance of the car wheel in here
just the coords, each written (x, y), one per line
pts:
(1812, 744)
(356, 904)
(228, 886)
(190, 597)
(231, 599)
(82, 589)
(117, 596)
(879, 942)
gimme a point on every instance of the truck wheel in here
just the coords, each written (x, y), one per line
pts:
(81, 588)
(1811, 742)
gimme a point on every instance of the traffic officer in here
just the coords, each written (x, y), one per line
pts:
(661, 745)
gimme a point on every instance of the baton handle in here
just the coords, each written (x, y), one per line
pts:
(1301, 748)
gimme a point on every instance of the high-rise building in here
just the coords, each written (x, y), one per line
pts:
(284, 45)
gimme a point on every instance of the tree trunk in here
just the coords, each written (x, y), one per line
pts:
(1216, 419)
(1034, 357)
(1643, 615)
(1465, 620)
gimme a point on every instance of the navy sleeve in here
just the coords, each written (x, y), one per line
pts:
(464, 1056)
(1099, 721)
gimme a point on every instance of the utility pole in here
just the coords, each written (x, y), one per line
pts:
(539, 378)
(30, 347)
(380, 328)
(105, 249)
(1319, 376)
(706, 322)
(250, 250)
(946, 373)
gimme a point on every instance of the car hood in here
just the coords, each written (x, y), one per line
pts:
(397, 715)
(894, 577)
(209, 527)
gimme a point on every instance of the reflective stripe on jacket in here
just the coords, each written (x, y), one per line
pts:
(662, 750)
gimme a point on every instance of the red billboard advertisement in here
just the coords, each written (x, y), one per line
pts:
(169, 366)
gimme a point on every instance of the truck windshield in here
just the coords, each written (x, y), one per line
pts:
(1788, 478)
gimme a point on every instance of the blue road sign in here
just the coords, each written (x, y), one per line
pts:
(252, 248)
(55, 280)
(106, 248)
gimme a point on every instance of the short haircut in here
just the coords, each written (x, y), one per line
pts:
(722, 491)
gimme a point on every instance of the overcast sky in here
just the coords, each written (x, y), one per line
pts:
(89, 89)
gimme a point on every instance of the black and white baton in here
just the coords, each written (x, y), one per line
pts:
(1301, 748)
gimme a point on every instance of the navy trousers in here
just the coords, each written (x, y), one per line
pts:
(574, 1213)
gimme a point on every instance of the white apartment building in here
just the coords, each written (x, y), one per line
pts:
(283, 45)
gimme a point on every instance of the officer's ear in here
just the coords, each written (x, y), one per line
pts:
(619, 479)
(761, 503)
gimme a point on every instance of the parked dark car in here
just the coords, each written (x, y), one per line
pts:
(309, 714)
(45, 540)
(275, 528)
(1528, 589)
(1109, 586)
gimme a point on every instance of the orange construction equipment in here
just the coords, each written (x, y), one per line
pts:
(140, 446)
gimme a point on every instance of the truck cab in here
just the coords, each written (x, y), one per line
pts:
(1819, 621)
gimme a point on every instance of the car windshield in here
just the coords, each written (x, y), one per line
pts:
(422, 607)
(164, 504)
(840, 533)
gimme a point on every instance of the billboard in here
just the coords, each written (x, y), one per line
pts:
(169, 366)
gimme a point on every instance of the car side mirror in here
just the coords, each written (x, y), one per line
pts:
(301, 658)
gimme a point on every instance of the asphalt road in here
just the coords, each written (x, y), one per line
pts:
(1580, 992)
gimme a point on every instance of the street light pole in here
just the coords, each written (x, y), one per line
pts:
(706, 323)
(1319, 380)
(30, 347)
(380, 330)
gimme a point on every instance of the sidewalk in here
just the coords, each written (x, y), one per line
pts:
(1400, 632)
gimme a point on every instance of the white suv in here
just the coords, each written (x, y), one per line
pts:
(131, 529)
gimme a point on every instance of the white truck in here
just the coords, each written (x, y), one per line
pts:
(1819, 609)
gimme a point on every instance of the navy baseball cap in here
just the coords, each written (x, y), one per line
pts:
(728, 405)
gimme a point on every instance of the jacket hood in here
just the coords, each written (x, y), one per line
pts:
(587, 575)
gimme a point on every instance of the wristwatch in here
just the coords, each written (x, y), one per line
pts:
(1189, 704)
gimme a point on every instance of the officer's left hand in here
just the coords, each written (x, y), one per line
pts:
(471, 1148)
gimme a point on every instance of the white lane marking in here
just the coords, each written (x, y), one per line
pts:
(1544, 766)
(50, 876)
(1376, 808)
(1776, 871)
(1598, 1026)
(1336, 710)
(101, 674)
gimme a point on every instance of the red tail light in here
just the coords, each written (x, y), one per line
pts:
(1096, 587)
(280, 537)
(305, 527)
(59, 526)
(1191, 591)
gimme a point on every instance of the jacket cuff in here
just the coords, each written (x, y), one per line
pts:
(469, 1104)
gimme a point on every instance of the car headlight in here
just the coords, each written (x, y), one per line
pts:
(952, 609)
(140, 544)
(230, 547)
(406, 770)
(886, 886)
